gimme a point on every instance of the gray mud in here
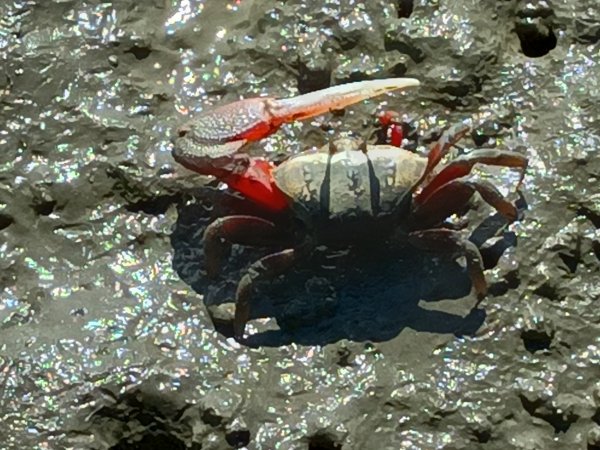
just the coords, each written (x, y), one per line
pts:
(105, 339)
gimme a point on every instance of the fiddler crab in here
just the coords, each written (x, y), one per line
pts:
(346, 192)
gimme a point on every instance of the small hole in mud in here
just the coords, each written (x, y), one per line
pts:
(310, 80)
(348, 42)
(596, 416)
(238, 438)
(405, 8)
(392, 42)
(323, 442)
(154, 206)
(548, 290)
(5, 221)
(596, 248)
(570, 261)
(211, 418)
(482, 436)
(595, 445)
(535, 340)
(536, 41)
(156, 441)
(560, 421)
(589, 214)
(139, 52)
(44, 208)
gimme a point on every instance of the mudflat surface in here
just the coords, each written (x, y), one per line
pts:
(105, 339)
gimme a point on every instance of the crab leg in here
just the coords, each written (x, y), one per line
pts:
(441, 239)
(462, 166)
(240, 229)
(265, 268)
(452, 198)
(441, 148)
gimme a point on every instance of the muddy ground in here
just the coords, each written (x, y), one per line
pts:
(105, 338)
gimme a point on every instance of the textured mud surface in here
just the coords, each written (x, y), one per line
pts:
(105, 342)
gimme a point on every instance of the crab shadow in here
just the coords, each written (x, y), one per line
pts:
(370, 293)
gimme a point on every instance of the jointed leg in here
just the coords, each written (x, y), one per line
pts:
(452, 197)
(462, 166)
(244, 230)
(265, 268)
(441, 148)
(447, 241)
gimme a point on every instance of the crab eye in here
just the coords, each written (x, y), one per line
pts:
(181, 132)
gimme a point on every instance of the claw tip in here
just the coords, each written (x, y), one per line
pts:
(394, 84)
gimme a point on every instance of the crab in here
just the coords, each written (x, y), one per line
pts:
(344, 193)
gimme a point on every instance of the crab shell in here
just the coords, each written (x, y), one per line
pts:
(361, 185)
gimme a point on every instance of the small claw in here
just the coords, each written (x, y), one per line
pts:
(392, 125)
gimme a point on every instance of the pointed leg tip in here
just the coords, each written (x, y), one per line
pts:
(239, 337)
(239, 328)
(480, 292)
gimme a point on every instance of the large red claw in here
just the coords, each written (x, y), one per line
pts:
(226, 129)
(211, 144)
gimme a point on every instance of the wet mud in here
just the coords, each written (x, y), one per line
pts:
(106, 334)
